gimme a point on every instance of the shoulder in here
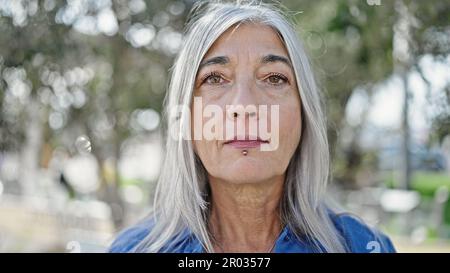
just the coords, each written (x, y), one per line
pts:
(128, 239)
(131, 237)
(359, 236)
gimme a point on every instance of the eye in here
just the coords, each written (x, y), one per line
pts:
(276, 79)
(213, 78)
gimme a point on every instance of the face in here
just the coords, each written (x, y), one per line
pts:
(247, 66)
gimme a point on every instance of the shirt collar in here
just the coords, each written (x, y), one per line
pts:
(286, 242)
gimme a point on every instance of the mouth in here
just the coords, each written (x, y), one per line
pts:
(245, 142)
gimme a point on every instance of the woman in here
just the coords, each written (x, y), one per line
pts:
(238, 189)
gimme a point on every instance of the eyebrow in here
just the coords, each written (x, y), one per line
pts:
(271, 58)
(222, 60)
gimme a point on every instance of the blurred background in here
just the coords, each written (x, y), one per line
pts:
(81, 88)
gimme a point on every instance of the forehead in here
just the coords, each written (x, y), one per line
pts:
(248, 38)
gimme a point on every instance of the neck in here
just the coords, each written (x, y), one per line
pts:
(245, 217)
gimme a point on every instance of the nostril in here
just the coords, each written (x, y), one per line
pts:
(235, 115)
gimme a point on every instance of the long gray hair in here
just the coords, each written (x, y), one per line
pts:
(182, 194)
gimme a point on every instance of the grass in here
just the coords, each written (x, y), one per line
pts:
(426, 183)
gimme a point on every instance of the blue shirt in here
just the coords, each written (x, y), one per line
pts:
(358, 236)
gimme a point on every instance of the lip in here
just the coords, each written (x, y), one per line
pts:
(239, 143)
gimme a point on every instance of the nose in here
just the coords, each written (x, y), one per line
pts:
(244, 101)
(234, 113)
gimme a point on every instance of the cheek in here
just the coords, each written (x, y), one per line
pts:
(216, 162)
(206, 152)
(208, 158)
(290, 127)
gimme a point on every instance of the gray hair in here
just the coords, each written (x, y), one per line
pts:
(182, 194)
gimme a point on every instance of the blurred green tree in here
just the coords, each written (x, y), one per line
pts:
(80, 68)
(352, 47)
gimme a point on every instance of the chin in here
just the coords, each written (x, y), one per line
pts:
(246, 180)
(247, 172)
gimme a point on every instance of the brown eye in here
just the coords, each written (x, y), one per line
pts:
(213, 78)
(276, 79)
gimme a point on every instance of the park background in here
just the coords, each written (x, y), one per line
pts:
(81, 89)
